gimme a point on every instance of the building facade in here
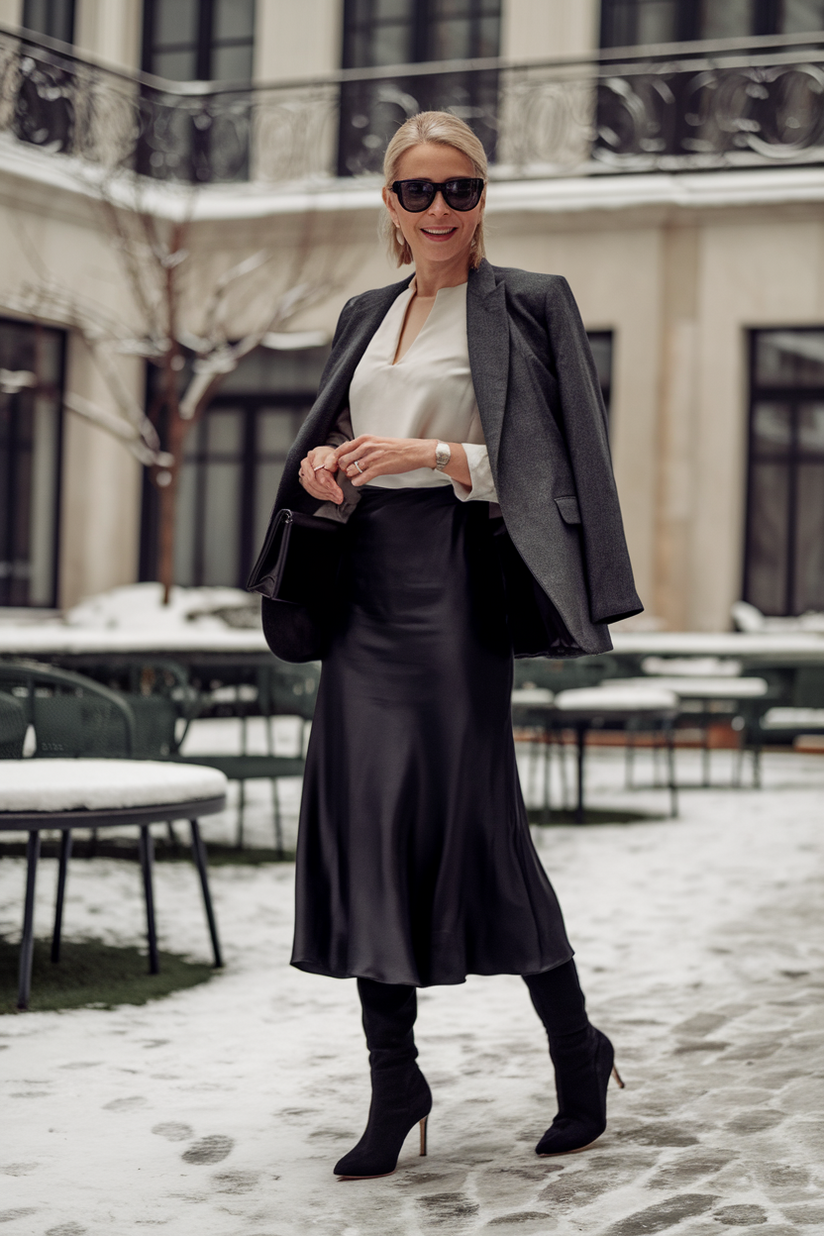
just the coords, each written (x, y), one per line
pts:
(666, 156)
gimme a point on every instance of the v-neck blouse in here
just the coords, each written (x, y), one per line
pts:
(428, 393)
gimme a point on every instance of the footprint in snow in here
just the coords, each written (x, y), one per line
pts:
(125, 1105)
(174, 1132)
(209, 1149)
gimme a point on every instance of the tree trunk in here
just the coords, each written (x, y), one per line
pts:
(175, 430)
(167, 506)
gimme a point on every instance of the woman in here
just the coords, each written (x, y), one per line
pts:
(459, 431)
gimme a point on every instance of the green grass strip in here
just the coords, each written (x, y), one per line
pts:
(91, 974)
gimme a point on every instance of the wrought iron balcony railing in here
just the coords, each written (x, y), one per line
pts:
(675, 108)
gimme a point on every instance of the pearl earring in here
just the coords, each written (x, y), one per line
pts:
(399, 236)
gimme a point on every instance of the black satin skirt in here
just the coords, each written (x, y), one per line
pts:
(415, 863)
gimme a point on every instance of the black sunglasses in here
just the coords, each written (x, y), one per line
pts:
(463, 193)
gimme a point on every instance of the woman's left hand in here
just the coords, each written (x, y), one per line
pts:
(367, 457)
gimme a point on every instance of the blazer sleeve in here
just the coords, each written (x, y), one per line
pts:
(610, 582)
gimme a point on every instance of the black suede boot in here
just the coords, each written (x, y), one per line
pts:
(583, 1059)
(400, 1096)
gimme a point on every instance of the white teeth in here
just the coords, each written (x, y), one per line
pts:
(442, 231)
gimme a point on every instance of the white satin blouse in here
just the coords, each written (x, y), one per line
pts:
(427, 394)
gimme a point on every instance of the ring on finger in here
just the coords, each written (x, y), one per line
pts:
(357, 465)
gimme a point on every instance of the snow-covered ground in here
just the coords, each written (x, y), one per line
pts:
(221, 1110)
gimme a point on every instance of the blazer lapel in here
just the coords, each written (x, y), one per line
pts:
(487, 328)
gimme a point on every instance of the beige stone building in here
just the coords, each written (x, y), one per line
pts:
(667, 157)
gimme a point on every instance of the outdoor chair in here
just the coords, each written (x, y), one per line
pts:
(12, 727)
(279, 690)
(161, 698)
(72, 716)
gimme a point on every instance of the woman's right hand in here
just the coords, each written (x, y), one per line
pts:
(317, 474)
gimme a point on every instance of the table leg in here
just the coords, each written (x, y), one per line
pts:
(27, 942)
(546, 808)
(146, 855)
(581, 731)
(199, 853)
(65, 855)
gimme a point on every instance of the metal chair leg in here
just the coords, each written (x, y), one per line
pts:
(146, 855)
(669, 738)
(65, 855)
(27, 942)
(546, 806)
(277, 819)
(582, 738)
(270, 747)
(756, 766)
(705, 759)
(199, 853)
(563, 760)
(241, 811)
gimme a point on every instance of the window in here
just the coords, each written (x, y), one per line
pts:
(204, 139)
(395, 32)
(54, 18)
(784, 555)
(199, 40)
(601, 343)
(627, 23)
(31, 384)
(232, 467)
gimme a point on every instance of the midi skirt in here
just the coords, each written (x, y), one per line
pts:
(415, 863)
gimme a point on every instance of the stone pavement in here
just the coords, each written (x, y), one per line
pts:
(221, 1110)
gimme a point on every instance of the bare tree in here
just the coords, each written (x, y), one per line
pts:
(182, 319)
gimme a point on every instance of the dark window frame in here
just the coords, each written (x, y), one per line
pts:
(766, 20)
(205, 45)
(55, 391)
(57, 24)
(792, 459)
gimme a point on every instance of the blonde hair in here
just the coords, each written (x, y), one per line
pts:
(437, 129)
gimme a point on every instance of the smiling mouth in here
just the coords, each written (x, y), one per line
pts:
(438, 231)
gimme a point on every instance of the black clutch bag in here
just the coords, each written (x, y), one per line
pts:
(296, 573)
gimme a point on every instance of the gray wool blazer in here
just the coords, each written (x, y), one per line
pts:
(565, 561)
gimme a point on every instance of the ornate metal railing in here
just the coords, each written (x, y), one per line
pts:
(676, 108)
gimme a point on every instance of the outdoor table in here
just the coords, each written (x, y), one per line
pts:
(614, 705)
(38, 794)
(705, 692)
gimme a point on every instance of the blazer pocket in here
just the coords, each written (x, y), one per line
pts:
(570, 512)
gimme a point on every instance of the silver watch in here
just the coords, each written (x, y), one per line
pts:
(443, 454)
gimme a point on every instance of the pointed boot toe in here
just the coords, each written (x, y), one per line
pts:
(401, 1099)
